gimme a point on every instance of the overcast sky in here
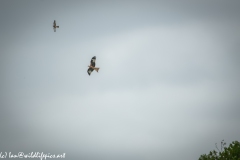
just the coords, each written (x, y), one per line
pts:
(167, 88)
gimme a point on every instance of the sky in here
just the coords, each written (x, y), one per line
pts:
(167, 88)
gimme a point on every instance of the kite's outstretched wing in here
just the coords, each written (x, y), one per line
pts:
(90, 71)
(92, 62)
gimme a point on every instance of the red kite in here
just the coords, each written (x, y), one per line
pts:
(92, 66)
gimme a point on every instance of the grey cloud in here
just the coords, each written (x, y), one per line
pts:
(167, 86)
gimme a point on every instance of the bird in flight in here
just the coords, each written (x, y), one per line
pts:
(55, 25)
(92, 66)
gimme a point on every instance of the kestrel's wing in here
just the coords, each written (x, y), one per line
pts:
(54, 23)
(54, 29)
(89, 71)
(93, 61)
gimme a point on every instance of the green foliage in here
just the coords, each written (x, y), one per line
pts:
(232, 152)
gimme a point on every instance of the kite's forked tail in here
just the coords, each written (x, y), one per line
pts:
(96, 69)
